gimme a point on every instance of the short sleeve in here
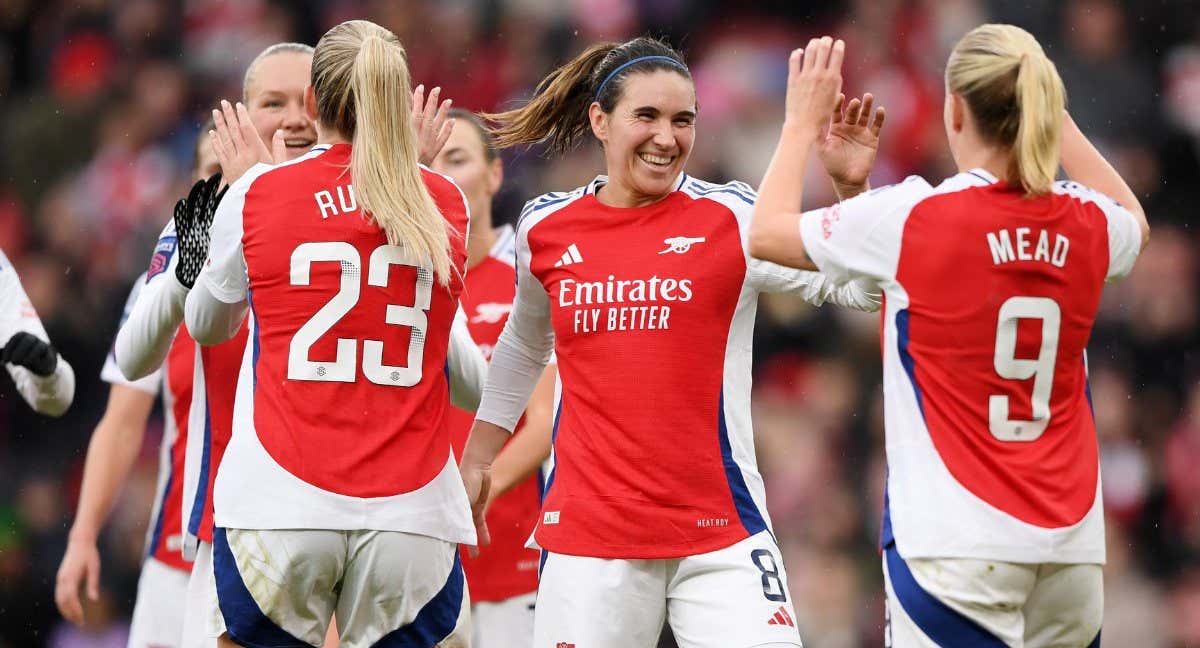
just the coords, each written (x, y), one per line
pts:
(1124, 231)
(860, 238)
(224, 272)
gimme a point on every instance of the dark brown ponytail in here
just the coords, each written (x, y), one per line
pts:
(558, 111)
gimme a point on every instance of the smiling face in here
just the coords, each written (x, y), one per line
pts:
(275, 100)
(648, 136)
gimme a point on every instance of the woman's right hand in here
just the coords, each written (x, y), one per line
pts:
(237, 144)
(814, 82)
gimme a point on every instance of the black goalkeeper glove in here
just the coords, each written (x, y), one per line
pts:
(193, 220)
(29, 351)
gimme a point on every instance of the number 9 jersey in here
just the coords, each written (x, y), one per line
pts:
(990, 298)
(340, 415)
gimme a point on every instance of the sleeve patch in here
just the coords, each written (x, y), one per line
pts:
(162, 256)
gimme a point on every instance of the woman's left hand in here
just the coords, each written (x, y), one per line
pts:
(237, 144)
(849, 147)
(432, 123)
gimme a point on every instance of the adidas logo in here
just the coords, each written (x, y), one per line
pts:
(569, 257)
(782, 618)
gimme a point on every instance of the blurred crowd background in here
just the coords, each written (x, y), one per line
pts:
(100, 102)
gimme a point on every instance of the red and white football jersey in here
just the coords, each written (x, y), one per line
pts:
(164, 535)
(990, 299)
(211, 415)
(505, 568)
(650, 312)
(340, 416)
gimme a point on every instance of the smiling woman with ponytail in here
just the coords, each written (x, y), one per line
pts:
(993, 524)
(655, 509)
(338, 490)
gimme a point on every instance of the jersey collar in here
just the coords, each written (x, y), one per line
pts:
(602, 180)
(504, 236)
(979, 177)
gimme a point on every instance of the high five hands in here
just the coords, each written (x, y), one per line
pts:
(238, 146)
(815, 101)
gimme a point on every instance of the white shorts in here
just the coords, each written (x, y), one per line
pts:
(736, 597)
(942, 602)
(158, 613)
(504, 624)
(280, 588)
(202, 617)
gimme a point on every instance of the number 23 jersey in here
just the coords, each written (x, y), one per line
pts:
(990, 298)
(340, 415)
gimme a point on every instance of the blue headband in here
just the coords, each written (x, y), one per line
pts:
(617, 71)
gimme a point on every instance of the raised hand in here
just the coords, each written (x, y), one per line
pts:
(431, 122)
(849, 147)
(237, 144)
(193, 222)
(814, 83)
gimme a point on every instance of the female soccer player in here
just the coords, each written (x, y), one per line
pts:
(993, 530)
(44, 379)
(158, 609)
(640, 282)
(339, 481)
(502, 578)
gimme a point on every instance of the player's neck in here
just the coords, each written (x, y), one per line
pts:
(615, 193)
(326, 135)
(482, 238)
(995, 160)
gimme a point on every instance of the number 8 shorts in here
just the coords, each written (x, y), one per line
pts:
(734, 597)
(280, 588)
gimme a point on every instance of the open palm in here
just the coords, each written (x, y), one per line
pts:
(848, 150)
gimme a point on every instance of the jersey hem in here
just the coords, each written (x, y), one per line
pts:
(658, 552)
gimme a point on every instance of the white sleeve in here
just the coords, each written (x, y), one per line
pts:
(50, 395)
(111, 373)
(1124, 231)
(813, 287)
(217, 303)
(466, 365)
(764, 276)
(145, 338)
(521, 353)
(859, 238)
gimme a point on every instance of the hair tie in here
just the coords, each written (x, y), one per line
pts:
(600, 90)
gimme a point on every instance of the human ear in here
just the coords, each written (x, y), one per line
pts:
(310, 103)
(599, 122)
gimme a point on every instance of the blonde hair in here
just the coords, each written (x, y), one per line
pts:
(1016, 96)
(277, 48)
(360, 77)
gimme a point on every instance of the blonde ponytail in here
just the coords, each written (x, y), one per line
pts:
(1039, 94)
(360, 77)
(1016, 96)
